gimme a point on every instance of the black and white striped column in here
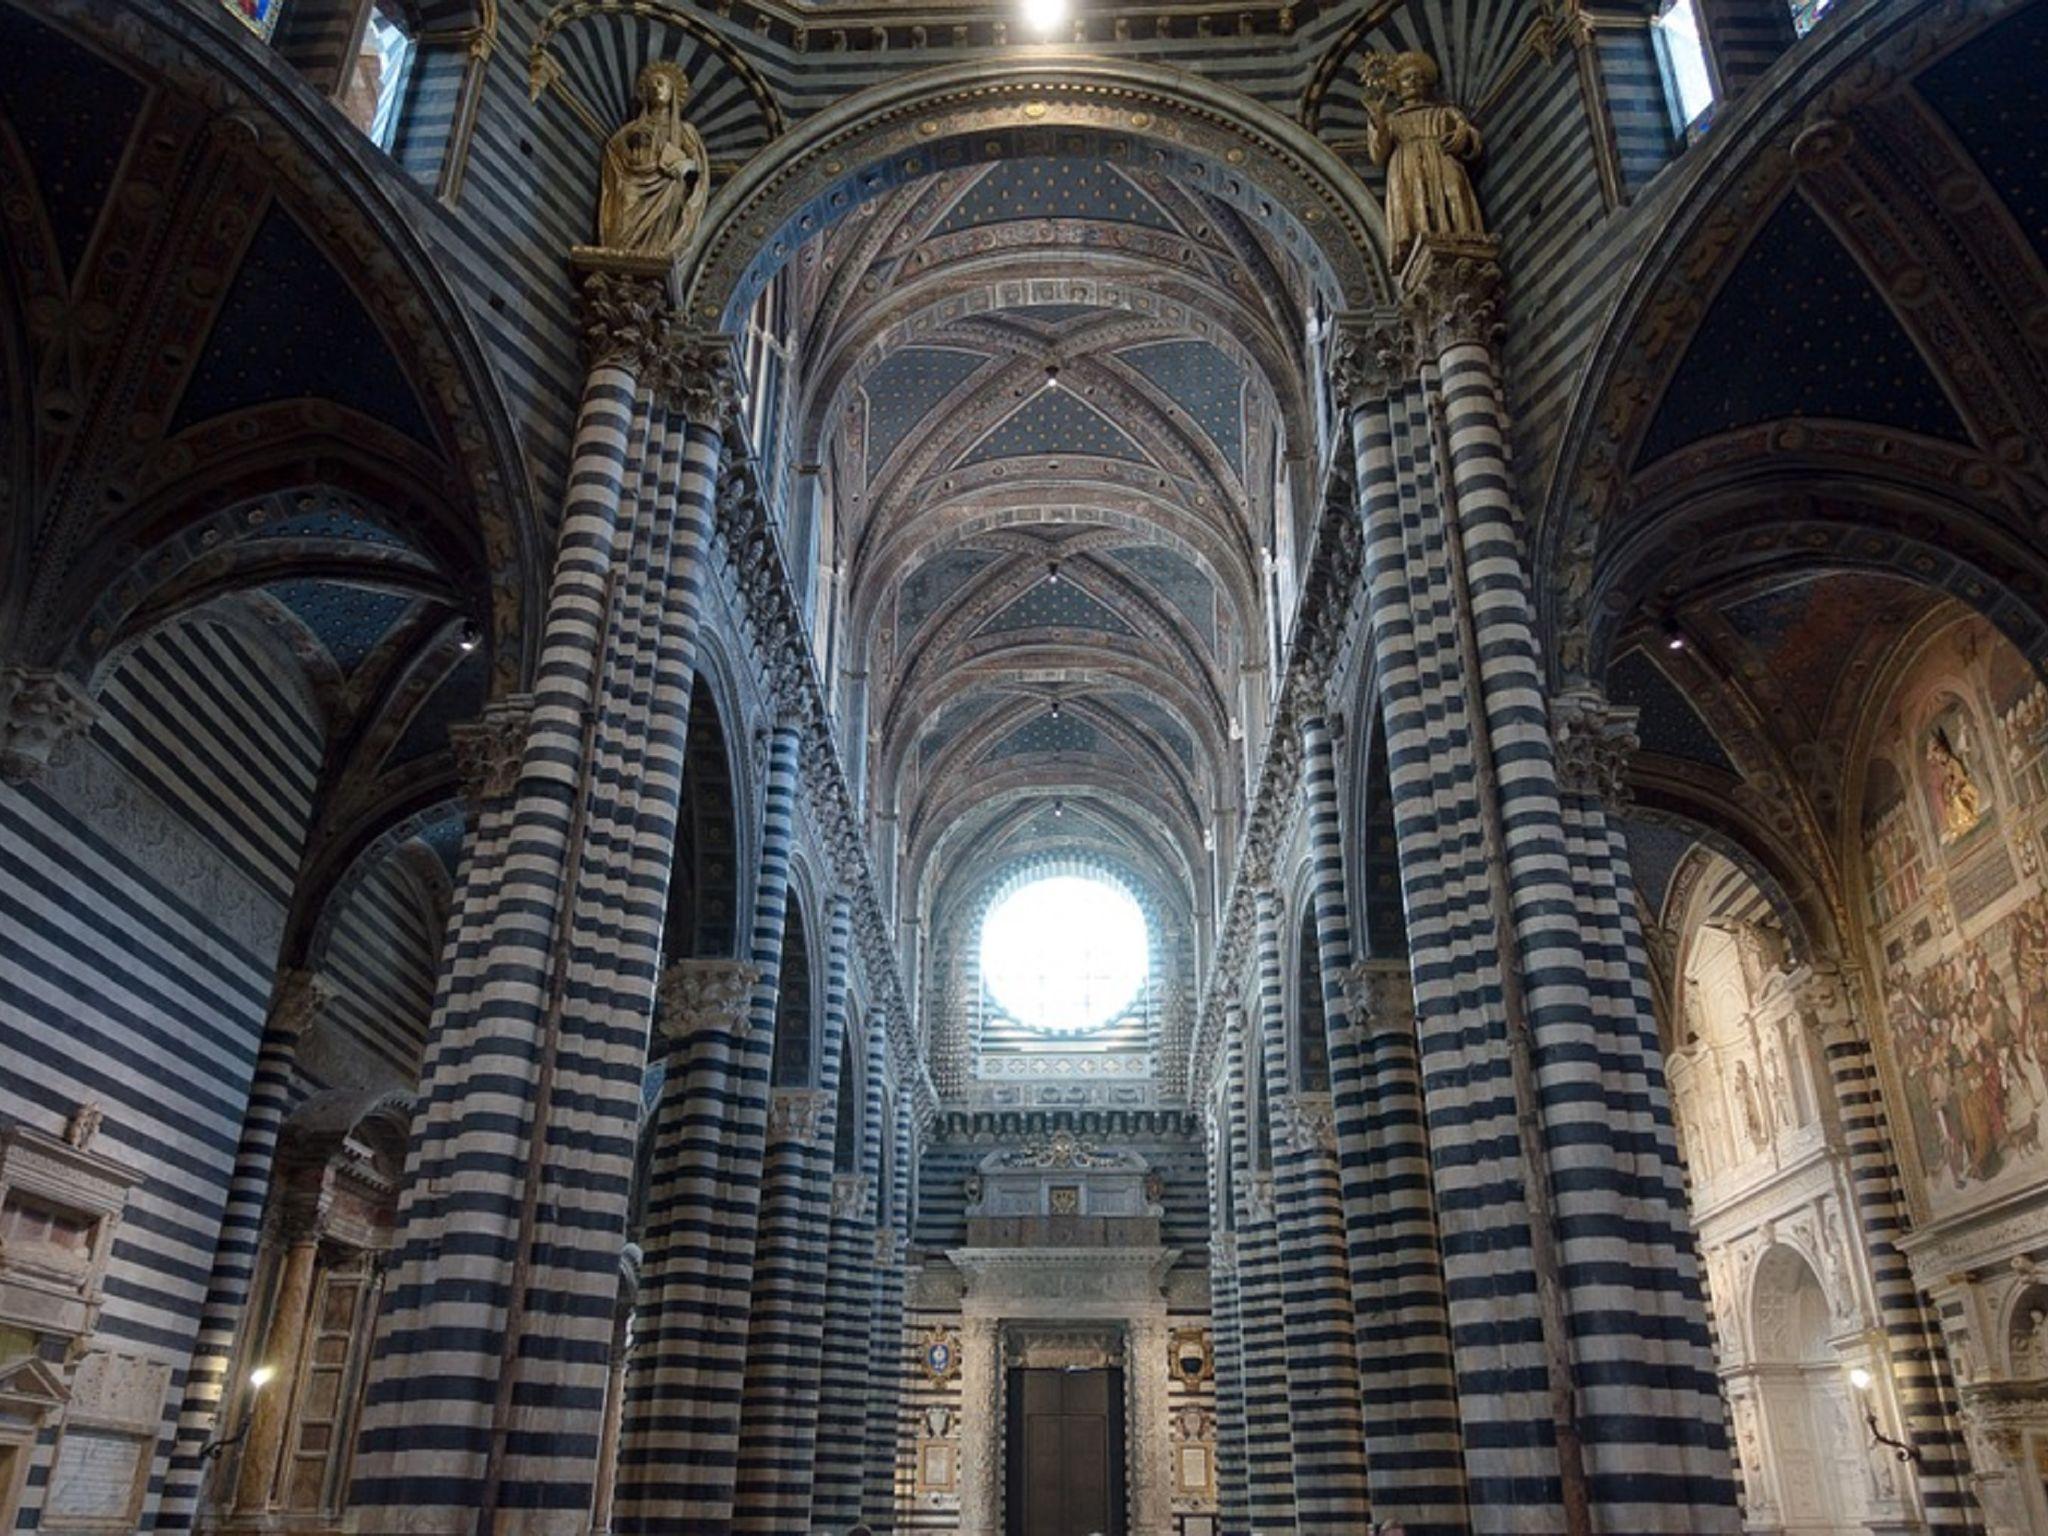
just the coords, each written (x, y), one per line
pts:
(1262, 1330)
(679, 1459)
(1223, 1316)
(787, 1332)
(886, 1345)
(1922, 1385)
(1410, 1418)
(849, 1310)
(485, 1402)
(1327, 1430)
(296, 999)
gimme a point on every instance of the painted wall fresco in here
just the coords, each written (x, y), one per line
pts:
(1953, 812)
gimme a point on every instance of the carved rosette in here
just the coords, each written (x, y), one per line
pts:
(40, 709)
(1451, 289)
(488, 749)
(1304, 1123)
(796, 1114)
(849, 1196)
(1595, 741)
(706, 994)
(1372, 356)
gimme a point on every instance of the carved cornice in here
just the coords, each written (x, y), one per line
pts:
(1595, 741)
(489, 749)
(797, 1114)
(706, 994)
(40, 709)
(1451, 292)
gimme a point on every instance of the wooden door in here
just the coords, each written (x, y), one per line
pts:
(1066, 1472)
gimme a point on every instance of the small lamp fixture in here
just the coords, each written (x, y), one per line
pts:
(468, 640)
(1055, 712)
(1674, 637)
(1052, 572)
(1043, 17)
(259, 1378)
(1052, 375)
(1859, 1378)
(1059, 807)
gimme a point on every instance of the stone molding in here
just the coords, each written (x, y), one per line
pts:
(706, 994)
(40, 709)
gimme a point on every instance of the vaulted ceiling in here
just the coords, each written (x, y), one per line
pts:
(1042, 398)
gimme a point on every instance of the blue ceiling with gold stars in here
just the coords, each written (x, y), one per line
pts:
(926, 589)
(1653, 855)
(1176, 578)
(1154, 720)
(1994, 94)
(1669, 724)
(44, 89)
(1052, 189)
(1205, 383)
(1798, 331)
(292, 328)
(905, 388)
(1055, 421)
(330, 523)
(1045, 734)
(347, 620)
(1055, 605)
(460, 696)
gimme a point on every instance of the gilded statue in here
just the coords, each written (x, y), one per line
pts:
(1425, 144)
(1962, 803)
(656, 177)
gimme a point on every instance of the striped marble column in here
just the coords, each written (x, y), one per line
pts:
(679, 1460)
(849, 1311)
(1921, 1384)
(1223, 1318)
(1403, 1341)
(296, 999)
(485, 1403)
(1262, 1330)
(787, 1330)
(886, 1344)
(1326, 1425)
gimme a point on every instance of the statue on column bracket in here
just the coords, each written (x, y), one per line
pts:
(655, 177)
(1425, 144)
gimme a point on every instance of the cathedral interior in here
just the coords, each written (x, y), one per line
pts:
(1082, 768)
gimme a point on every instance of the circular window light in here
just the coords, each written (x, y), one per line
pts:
(1065, 954)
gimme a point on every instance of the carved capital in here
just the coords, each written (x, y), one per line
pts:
(628, 321)
(40, 709)
(796, 1114)
(1223, 1251)
(1304, 1122)
(488, 749)
(1378, 996)
(706, 994)
(699, 378)
(1451, 290)
(1371, 356)
(1594, 742)
(1258, 1198)
(849, 1196)
(296, 1002)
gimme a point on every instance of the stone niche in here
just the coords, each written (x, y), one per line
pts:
(60, 1205)
(1063, 1193)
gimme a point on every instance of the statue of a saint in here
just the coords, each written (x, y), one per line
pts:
(656, 177)
(1424, 143)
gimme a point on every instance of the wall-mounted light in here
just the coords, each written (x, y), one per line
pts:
(259, 1378)
(262, 1377)
(1674, 637)
(1042, 16)
(1859, 1378)
(469, 637)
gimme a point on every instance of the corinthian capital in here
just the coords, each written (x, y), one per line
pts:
(1594, 742)
(628, 320)
(1304, 1122)
(1378, 995)
(39, 709)
(706, 994)
(849, 1196)
(796, 1114)
(1372, 355)
(488, 749)
(1451, 288)
(296, 1001)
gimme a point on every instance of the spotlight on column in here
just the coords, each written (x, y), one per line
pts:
(1043, 16)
